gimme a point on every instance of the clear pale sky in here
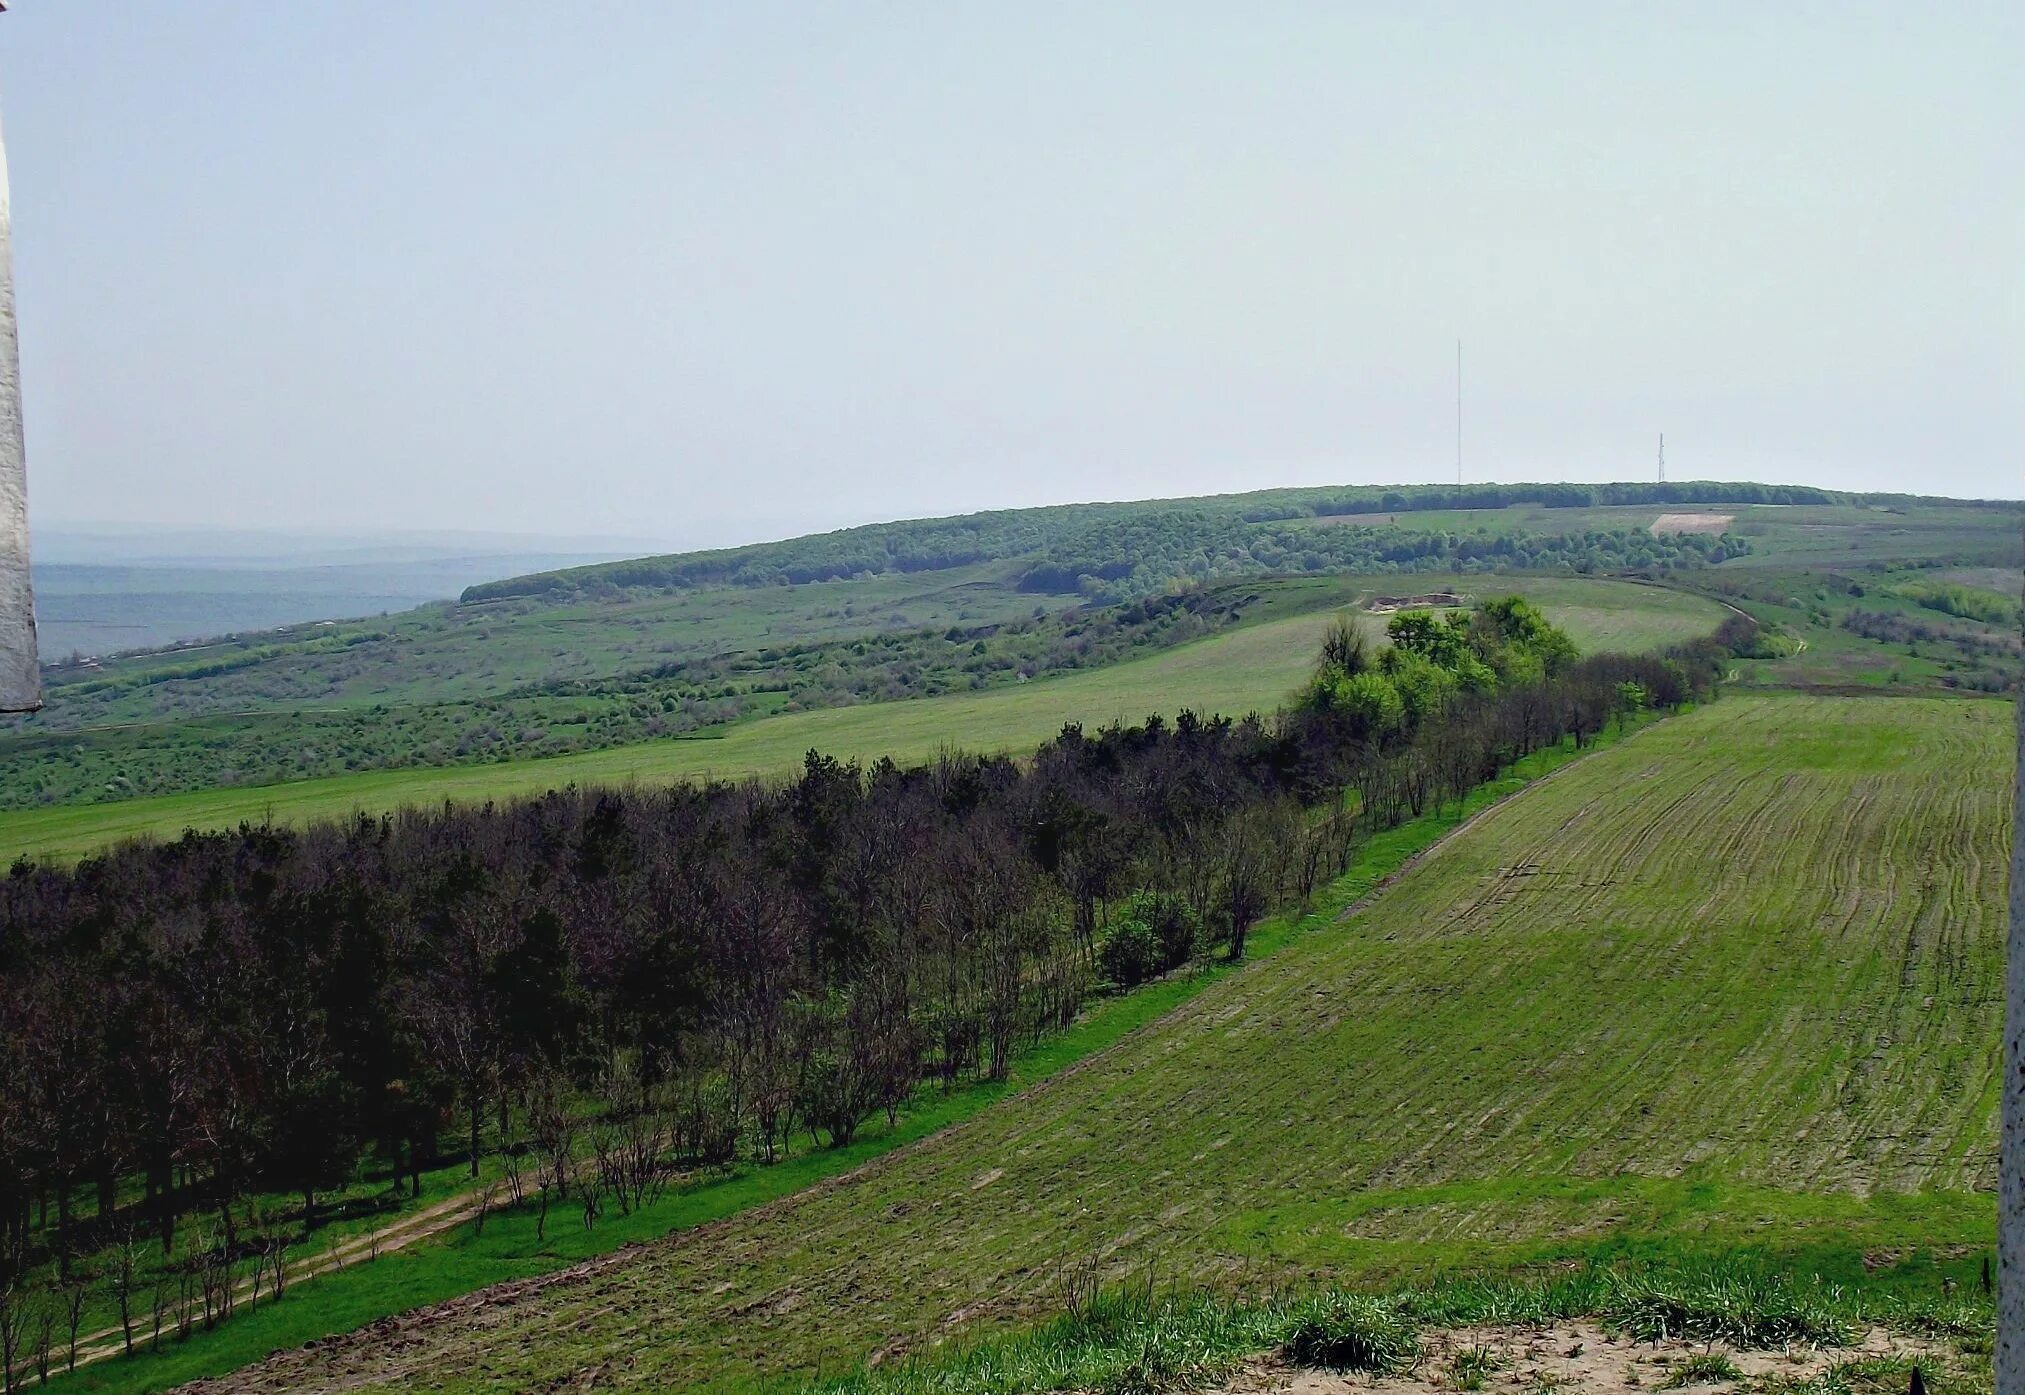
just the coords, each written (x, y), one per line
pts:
(709, 272)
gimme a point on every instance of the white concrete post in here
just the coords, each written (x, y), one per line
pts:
(20, 683)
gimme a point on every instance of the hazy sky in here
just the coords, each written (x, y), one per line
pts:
(702, 272)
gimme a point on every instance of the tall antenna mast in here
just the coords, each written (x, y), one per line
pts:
(1662, 457)
(1458, 421)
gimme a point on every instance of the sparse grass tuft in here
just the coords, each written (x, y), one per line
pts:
(1954, 1318)
(1734, 1306)
(1469, 1368)
(1882, 1375)
(1704, 1368)
(1132, 1342)
(1352, 1332)
(1117, 1344)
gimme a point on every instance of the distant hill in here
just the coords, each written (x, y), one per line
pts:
(1117, 551)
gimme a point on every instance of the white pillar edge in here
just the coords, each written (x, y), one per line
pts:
(20, 677)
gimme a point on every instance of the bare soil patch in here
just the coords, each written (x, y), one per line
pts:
(1385, 605)
(1577, 1358)
(1693, 522)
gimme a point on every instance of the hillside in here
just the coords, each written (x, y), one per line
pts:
(1248, 666)
(1732, 982)
(580, 662)
(1121, 550)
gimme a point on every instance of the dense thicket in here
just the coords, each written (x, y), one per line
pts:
(714, 969)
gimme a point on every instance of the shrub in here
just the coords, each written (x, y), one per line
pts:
(1967, 602)
(1129, 953)
(1152, 933)
(1176, 930)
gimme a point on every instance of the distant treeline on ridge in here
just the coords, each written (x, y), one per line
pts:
(1120, 551)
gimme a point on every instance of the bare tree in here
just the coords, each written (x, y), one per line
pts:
(124, 1264)
(13, 1330)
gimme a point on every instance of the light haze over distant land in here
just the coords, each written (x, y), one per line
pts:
(716, 272)
(102, 590)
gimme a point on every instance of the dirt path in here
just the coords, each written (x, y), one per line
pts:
(416, 1226)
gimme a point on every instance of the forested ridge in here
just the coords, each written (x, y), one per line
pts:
(652, 980)
(1119, 551)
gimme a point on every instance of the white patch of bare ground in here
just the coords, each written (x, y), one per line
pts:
(1693, 523)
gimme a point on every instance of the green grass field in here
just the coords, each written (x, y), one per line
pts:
(1734, 983)
(1249, 669)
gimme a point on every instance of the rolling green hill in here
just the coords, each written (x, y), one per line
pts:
(1734, 982)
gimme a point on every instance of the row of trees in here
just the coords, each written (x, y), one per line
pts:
(270, 1010)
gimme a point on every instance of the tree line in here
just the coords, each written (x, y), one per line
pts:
(648, 980)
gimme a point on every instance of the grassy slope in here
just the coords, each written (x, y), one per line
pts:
(1248, 669)
(443, 652)
(1845, 535)
(1735, 981)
